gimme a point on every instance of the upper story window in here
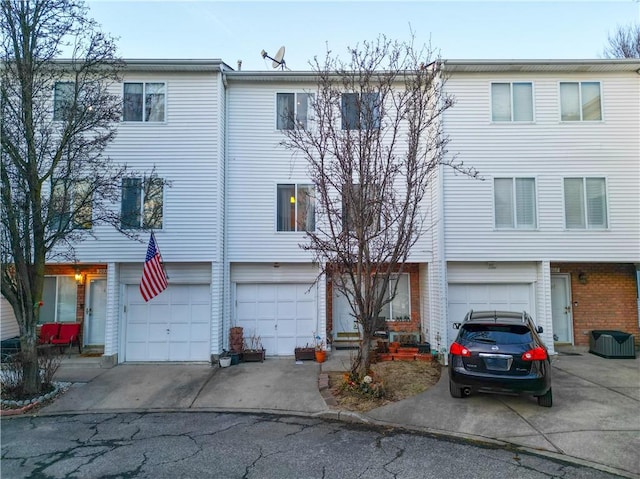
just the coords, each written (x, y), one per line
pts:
(143, 102)
(68, 198)
(63, 93)
(360, 111)
(399, 309)
(580, 101)
(296, 208)
(515, 203)
(585, 203)
(293, 110)
(512, 101)
(142, 203)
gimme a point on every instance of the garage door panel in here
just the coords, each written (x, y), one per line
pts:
(283, 314)
(464, 297)
(173, 326)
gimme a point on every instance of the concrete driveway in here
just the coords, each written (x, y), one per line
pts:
(595, 417)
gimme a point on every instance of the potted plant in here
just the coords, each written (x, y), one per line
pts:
(253, 350)
(306, 353)
(225, 359)
(320, 353)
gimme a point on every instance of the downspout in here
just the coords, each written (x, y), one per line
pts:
(226, 297)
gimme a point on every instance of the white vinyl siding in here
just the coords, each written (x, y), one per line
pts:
(8, 325)
(585, 203)
(515, 203)
(552, 150)
(512, 101)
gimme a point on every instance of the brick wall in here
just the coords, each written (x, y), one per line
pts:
(606, 298)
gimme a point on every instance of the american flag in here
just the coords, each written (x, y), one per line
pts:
(154, 279)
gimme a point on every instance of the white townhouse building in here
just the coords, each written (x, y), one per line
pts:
(552, 226)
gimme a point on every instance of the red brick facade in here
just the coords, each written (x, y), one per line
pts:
(604, 296)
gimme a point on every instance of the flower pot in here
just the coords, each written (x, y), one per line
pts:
(225, 361)
(321, 356)
(251, 355)
(304, 354)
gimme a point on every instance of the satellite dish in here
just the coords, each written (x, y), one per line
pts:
(278, 60)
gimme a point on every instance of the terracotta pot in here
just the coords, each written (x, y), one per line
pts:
(321, 356)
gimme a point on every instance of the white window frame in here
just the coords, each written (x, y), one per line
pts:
(515, 224)
(296, 212)
(56, 308)
(144, 101)
(69, 101)
(585, 204)
(512, 103)
(391, 318)
(362, 120)
(298, 123)
(580, 106)
(144, 202)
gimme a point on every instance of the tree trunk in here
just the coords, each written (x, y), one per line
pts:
(30, 369)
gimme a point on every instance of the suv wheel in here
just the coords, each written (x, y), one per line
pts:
(546, 400)
(455, 391)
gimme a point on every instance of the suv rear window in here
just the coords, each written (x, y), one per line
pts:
(496, 333)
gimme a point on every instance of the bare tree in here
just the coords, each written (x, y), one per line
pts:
(373, 141)
(624, 42)
(57, 118)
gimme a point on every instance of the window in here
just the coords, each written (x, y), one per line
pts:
(360, 111)
(580, 101)
(142, 203)
(399, 309)
(585, 203)
(515, 202)
(63, 94)
(296, 208)
(70, 197)
(293, 110)
(511, 102)
(59, 298)
(143, 102)
(361, 207)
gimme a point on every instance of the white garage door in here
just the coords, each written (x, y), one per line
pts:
(499, 297)
(173, 326)
(282, 315)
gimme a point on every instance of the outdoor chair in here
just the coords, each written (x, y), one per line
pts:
(48, 331)
(68, 335)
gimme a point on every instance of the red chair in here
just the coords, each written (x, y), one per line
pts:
(68, 335)
(48, 331)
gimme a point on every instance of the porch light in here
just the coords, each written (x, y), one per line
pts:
(78, 276)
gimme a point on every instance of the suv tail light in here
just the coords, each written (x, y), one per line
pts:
(458, 350)
(535, 354)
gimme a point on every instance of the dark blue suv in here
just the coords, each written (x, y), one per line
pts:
(500, 351)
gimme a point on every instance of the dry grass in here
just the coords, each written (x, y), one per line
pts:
(401, 379)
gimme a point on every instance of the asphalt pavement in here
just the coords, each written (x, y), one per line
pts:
(595, 418)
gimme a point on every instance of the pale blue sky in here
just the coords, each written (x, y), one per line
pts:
(460, 30)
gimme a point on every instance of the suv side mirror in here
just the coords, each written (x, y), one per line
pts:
(539, 329)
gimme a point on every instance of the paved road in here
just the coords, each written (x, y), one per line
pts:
(224, 445)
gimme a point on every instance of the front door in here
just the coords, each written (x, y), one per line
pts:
(96, 311)
(561, 308)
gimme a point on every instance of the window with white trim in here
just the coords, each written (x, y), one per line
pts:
(360, 111)
(515, 203)
(59, 300)
(580, 101)
(142, 203)
(399, 309)
(512, 101)
(63, 93)
(293, 110)
(585, 203)
(296, 207)
(143, 101)
(71, 198)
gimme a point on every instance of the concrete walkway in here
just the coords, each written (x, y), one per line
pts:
(595, 418)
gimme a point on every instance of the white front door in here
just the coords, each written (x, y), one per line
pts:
(282, 315)
(96, 311)
(343, 318)
(561, 309)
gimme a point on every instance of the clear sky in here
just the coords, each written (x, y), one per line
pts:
(239, 30)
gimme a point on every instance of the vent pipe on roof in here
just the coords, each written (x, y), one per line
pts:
(239, 65)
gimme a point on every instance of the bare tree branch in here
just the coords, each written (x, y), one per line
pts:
(624, 42)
